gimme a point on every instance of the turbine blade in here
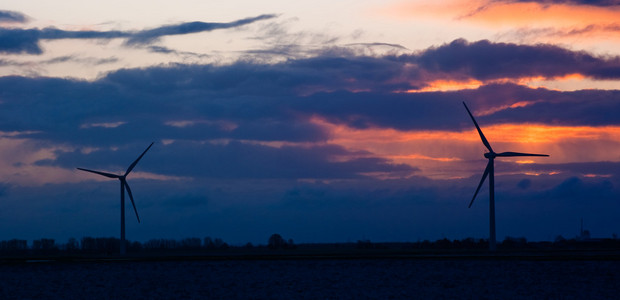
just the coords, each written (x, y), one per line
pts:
(484, 176)
(484, 139)
(110, 175)
(131, 198)
(509, 154)
(138, 159)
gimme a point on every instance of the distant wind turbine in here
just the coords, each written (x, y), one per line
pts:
(124, 185)
(489, 171)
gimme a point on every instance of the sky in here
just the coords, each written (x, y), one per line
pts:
(323, 121)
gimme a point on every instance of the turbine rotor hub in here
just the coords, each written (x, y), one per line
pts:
(490, 155)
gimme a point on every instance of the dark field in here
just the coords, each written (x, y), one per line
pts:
(313, 279)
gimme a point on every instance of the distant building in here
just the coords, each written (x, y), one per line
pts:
(584, 235)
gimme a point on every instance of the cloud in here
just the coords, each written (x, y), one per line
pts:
(577, 190)
(238, 160)
(92, 61)
(12, 17)
(258, 117)
(600, 3)
(413, 111)
(485, 60)
(20, 41)
(276, 102)
(601, 169)
(252, 147)
(524, 183)
(17, 41)
(371, 45)
(342, 69)
(560, 34)
(151, 35)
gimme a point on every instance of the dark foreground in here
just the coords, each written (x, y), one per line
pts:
(306, 278)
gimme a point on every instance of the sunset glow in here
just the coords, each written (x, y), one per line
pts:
(418, 148)
(508, 13)
(448, 85)
(326, 121)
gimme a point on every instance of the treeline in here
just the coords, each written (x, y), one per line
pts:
(107, 245)
(110, 245)
(509, 243)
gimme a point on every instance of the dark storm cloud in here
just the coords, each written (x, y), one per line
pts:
(401, 111)
(558, 108)
(443, 110)
(458, 60)
(63, 109)
(270, 102)
(27, 40)
(485, 60)
(235, 102)
(333, 71)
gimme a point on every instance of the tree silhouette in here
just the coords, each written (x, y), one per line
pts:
(276, 242)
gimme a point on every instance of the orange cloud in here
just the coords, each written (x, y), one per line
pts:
(506, 14)
(539, 133)
(449, 85)
(572, 82)
(583, 27)
(504, 133)
(529, 14)
(446, 154)
(569, 82)
(597, 175)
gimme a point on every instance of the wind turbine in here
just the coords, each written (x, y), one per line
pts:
(124, 185)
(490, 172)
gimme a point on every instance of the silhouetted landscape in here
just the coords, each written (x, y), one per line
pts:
(280, 269)
(276, 246)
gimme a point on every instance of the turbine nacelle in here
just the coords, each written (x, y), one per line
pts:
(492, 155)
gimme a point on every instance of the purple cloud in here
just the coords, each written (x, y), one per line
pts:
(12, 17)
(27, 40)
(485, 60)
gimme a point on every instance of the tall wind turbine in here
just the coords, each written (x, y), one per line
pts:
(124, 185)
(490, 172)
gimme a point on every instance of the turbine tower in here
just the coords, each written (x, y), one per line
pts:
(490, 172)
(124, 185)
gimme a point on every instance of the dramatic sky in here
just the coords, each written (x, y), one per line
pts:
(323, 121)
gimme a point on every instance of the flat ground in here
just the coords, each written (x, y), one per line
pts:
(431, 276)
